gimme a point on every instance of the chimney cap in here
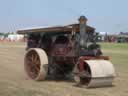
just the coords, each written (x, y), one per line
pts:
(83, 18)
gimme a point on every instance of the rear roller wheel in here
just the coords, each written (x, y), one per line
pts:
(36, 64)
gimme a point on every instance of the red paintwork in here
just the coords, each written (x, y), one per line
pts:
(61, 49)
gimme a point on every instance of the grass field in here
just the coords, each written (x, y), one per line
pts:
(14, 82)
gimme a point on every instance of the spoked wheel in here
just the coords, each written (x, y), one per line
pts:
(36, 64)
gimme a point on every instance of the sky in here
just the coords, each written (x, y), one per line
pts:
(105, 15)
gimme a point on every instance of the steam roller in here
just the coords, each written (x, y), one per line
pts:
(67, 51)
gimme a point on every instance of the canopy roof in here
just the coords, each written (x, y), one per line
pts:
(67, 28)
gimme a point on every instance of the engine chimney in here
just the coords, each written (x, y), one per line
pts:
(83, 34)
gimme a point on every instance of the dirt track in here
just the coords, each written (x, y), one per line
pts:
(14, 82)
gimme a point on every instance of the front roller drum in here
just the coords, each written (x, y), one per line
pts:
(36, 64)
(97, 73)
